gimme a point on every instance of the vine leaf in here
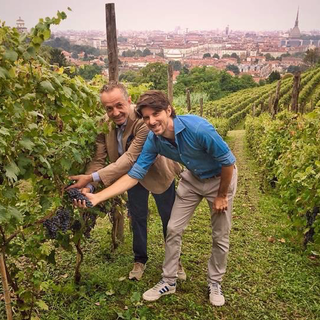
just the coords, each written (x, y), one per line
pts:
(26, 143)
(10, 55)
(47, 86)
(11, 171)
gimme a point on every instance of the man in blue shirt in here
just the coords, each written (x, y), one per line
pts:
(210, 173)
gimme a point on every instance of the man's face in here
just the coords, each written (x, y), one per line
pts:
(116, 105)
(156, 121)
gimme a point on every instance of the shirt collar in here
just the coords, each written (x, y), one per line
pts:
(122, 126)
(178, 125)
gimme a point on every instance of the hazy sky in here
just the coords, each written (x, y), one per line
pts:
(168, 14)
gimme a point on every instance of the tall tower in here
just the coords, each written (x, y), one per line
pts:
(296, 24)
(295, 32)
(227, 30)
(20, 25)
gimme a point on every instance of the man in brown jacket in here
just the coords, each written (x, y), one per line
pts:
(122, 145)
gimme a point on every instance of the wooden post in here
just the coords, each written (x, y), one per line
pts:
(311, 105)
(5, 286)
(295, 92)
(253, 109)
(112, 42)
(275, 108)
(270, 103)
(201, 107)
(170, 83)
(188, 101)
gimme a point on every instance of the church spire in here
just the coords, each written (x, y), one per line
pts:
(297, 19)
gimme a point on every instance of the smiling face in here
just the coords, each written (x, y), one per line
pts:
(116, 105)
(159, 121)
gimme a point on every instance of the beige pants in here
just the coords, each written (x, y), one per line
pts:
(190, 192)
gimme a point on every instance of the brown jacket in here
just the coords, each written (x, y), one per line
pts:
(161, 173)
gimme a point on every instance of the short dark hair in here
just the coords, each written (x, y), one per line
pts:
(115, 85)
(154, 99)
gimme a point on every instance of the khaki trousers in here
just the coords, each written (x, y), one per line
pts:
(190, 192)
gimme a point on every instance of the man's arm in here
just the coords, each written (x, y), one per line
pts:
(212, 142)
(120, 186)
(220, 203)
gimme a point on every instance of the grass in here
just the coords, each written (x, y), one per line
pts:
(268, 276)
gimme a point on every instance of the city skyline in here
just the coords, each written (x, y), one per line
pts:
(142, 15)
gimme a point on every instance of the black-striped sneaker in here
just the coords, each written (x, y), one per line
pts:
(215, 294)
(160, 289)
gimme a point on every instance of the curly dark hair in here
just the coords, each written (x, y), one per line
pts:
(154, 99)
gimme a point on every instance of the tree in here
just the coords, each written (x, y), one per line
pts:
(284, 55)
(130, 76)
(274, 76)
(216, 56)
(156, 73)
(57, 57)
(262, 82)
(74, 55)
(312, 57)
(146, 52)
(233, 68)
(89, 71)
(269, 57)
(176, 65)
(138, 53)
(206, 55)
(293, 69)
(234, 55)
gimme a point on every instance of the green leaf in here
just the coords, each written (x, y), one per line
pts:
(27, 143)
(65, 164)
(47, 86)
(10, 55)
(4, 73)
(32, 51)
(4, 215)
(11, 171)
(47, 34)
(12, 73)
(37, 40)
(14, 213)
(43, 160)
(4, 131)
(42, 305)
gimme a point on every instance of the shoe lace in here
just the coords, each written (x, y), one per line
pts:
(159, 285)
(215, 288)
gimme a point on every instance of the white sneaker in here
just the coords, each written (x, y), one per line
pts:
(181, 273)
(215, 294)
(137, 271)
(160, 289)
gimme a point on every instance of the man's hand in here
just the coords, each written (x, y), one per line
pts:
(94, 199)
(220, 204)
(82, 181)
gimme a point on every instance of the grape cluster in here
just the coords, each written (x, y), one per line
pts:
(60, 221)
(75, 194)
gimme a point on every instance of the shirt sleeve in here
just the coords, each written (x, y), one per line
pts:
(211, 141)
(146, 159)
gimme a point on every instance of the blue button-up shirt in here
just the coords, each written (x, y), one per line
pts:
(198, 146)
